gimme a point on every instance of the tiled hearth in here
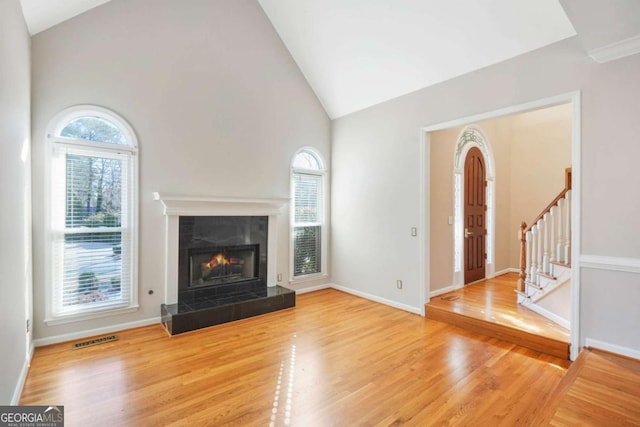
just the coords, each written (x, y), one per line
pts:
(221, 304)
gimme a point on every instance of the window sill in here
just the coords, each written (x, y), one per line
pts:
(308, 278)
(60, 320)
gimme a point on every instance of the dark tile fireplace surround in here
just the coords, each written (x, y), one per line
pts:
(222, 273)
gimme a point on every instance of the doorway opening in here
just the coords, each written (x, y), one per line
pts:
(442, 276)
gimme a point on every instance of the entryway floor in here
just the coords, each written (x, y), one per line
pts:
(490, 307)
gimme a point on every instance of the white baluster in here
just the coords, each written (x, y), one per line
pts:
(539, 255)
(560, 242)
(552, 235)
(534, 252)
(545, 244)
(527, 268)
(567, 232)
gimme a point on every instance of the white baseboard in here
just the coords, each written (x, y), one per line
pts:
(505, 271)
(17, 391)
(612, 348)
(93, 332)
(441, 291)
(410, 309)
(304, 290)
(454, 287)
(549, 315)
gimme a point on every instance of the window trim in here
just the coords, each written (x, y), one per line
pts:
(53, 140)
(323, 173)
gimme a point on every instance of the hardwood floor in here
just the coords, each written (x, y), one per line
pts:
(490, 307)
(600, 389)
(335, 359)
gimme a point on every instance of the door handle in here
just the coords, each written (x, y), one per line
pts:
(467, 233)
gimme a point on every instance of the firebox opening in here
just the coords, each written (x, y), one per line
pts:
(223, 265)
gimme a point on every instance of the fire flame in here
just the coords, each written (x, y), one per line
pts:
(218, 260)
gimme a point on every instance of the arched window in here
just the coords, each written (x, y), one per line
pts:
(308, 230)
(92, 159)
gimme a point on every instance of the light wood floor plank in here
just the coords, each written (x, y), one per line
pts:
(490, 307)
(600, 389)
(335, 359)
(494, 300)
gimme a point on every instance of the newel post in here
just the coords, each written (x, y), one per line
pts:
(523, 257)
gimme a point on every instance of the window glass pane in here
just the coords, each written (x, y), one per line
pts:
(308, 192)
(306, 250)
(306, 160)
(94, 129)
(90, 250)
(94, 191)
(92, 272)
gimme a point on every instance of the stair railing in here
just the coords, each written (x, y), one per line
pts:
(547, 240)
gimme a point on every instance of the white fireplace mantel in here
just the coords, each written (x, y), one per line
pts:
(177, 205)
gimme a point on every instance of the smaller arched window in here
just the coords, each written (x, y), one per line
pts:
(306, 159)
(308, 228)
(94, 129)
(92, 160)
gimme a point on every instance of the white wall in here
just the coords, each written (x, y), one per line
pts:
(217, 102)
(376, 175)
(15, 198)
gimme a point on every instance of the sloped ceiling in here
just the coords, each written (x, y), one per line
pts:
(358, 53)
(43, 14)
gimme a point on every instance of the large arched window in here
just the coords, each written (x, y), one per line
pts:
(92, 228)
(308, 230)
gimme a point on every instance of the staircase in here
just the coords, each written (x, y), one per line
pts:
(545, 256)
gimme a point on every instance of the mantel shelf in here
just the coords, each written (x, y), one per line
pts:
(198, 205)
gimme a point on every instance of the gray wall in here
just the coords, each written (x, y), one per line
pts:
(376, 168)
(15, 196)
(217, 102)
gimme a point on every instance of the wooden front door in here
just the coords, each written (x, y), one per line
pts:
(475, 208)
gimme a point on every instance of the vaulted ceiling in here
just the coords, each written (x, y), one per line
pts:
(358, 53)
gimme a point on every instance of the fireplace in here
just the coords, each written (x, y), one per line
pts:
(220, 260)
(223, 265)
(216, 251)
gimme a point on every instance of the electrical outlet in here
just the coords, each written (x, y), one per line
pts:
(399, 284)
(279, 277)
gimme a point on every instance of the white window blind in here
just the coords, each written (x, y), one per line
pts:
(308, 197)
(92, 231)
